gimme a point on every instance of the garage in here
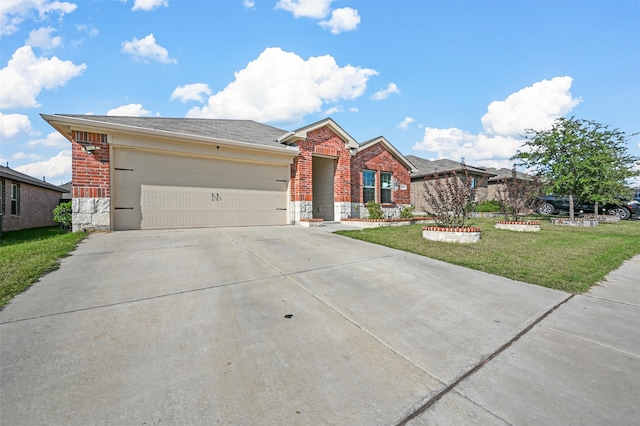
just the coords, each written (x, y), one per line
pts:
(156, 190)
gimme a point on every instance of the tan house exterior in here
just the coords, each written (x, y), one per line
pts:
(26, 202)
(157, 173)
(427, 170)
(495, 184)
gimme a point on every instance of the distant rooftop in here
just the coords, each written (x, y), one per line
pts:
(16, 176)
(429, 167)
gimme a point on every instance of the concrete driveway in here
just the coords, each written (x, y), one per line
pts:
(288, 325)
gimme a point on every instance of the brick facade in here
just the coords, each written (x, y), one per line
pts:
(90, 172)
(347, 182)
(323, 142)
(378, 159)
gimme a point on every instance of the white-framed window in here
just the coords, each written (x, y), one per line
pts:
(368, 186)
(385, 188)
(15, 199)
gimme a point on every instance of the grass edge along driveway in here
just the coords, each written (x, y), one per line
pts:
(28, 254)
(566, 258)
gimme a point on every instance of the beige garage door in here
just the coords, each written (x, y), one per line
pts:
(158, 191)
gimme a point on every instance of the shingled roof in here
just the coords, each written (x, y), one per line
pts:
(506, 173)
(16, 176)
(247, 131)
(429, 167)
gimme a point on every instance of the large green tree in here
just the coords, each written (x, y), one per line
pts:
(581, 159)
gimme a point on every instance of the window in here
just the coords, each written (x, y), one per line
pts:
(368, 186)
(15, 200)
(474, 182)
(385, 188)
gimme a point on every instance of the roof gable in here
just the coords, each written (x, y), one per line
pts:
(392, 149)
(301, 134)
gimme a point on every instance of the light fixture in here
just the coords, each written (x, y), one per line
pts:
(90, 148)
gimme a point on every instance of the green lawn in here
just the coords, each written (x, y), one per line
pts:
(28, 254)
(566, 258)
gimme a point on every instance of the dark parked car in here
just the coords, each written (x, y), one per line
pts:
(551, 204)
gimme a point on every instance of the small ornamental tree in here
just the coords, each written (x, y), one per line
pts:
(518, 196)
(581, 159)
(449, 198)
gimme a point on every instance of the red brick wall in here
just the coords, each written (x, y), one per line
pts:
(90, 172)
(377, 158)
(321, 141)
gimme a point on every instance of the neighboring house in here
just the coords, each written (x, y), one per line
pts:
(154, 173)
(427, 170)
(66, 195)
(26, 202)
(496, 182)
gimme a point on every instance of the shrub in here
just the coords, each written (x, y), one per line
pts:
(407, 212)
(62, 215)
(489, 206)
(375, 210)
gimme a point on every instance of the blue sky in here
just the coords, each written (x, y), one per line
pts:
(438, 79)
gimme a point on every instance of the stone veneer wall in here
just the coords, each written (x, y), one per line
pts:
(91, 214)
(300, 210)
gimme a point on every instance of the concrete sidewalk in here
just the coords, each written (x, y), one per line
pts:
(287, 325)
(579, 366)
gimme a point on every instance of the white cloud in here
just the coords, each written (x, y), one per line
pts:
(25, 156)
(249, 4)
(148, 5)
(52, 140)
(344, 19)
(333, 110)
(384, 93)
(306, 8)
(58, 167)
(405, 123)
(89, 29)
(534, 107)
(147, 48)
(191, 92)
(14, 12)
(42, 39)
(26, 75)
(12, 125)
(280, 86)
(130, 110)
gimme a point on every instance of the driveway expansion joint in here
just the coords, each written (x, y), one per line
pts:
(424, 407)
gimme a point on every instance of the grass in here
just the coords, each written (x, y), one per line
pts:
(566, 258)
(28, 254)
